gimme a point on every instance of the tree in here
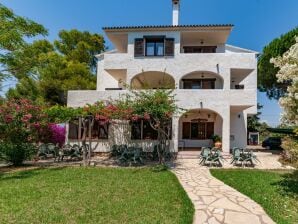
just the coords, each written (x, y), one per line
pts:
(253, 122)
(158, 108)
(13, 32)
(68, 64)
(80, 46)
(267, 80)
(288, 72)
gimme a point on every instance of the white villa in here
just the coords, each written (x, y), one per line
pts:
(215, 82)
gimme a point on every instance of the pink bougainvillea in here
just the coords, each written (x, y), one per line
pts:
(57, 134)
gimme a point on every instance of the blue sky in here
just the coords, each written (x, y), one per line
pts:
(256, 22)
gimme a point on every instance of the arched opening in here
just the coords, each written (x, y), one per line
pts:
(196, 128)
(153, 80)
(201, 80)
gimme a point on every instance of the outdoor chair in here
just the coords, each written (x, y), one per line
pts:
(205, 155)
(48, 150)
(250, 157)
(53, 149)
(137, 156)
(216, 157)
(70, 151)
(236, 156)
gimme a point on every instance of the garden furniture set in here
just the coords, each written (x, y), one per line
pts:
(212, 156)
(50, 150)
(240, 156)
(243, 157)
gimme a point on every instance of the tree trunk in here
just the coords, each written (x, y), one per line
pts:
(84, 137)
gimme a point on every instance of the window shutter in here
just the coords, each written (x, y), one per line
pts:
(139, 47)
(169, 46)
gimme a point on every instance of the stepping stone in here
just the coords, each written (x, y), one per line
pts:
(241, 218)
(227, 204)
(200, 217)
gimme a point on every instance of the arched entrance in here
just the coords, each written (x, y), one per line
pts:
(196, 128)
(153, 80)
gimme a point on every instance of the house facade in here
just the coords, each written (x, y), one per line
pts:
(215, 83)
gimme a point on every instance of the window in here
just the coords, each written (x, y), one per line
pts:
(99, 130)
(197, 130)
(198, 83)
(154, 46)
(73, 129)
(142, 129)
(199, 49)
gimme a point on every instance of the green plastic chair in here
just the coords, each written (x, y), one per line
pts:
(237, 156)
(205, 155)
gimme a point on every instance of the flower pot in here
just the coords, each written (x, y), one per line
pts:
(217, 144)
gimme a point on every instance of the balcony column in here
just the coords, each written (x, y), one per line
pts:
(226, 130)
(175, 133)
(226, 74)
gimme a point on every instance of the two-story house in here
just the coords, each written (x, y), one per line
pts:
(215, 82)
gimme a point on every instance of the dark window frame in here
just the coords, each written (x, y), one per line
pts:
(200, 81)
(197, 130)
(141, 129)
(101, 128)
(141, 49)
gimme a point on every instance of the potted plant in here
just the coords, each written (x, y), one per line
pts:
(217, 141)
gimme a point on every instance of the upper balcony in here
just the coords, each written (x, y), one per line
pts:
(185, 98)
(228, 60)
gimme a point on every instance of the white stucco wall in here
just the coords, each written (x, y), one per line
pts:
(219, 100)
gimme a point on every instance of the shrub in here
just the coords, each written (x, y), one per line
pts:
(16, 153)
(57, 134)
(290, 146)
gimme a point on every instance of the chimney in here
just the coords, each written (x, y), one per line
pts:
(176, 9)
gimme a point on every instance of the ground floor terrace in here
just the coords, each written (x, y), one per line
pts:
(191, 130)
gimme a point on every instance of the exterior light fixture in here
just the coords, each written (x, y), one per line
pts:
(201, 104)
(239, 115)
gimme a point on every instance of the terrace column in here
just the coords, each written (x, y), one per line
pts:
(226, 130)
(226, 74)
(175, 133)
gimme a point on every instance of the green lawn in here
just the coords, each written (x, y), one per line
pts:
(276, 191)
(93, 195)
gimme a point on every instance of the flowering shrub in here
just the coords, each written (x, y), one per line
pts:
(21, 121)
(21, 124)
(57, 134)
(288, 73)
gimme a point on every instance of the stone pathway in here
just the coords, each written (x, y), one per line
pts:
(214, 201)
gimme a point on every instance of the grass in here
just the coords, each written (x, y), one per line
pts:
(275, 191)
(93, 195)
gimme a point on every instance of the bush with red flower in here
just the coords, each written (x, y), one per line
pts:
(21, 125)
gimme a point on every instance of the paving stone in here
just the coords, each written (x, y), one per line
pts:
(219, 211)
(200, 217)
(220, 218)
(208, 199)
(204, 193)
(213, 221)
(227, 204)
(241, 218)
